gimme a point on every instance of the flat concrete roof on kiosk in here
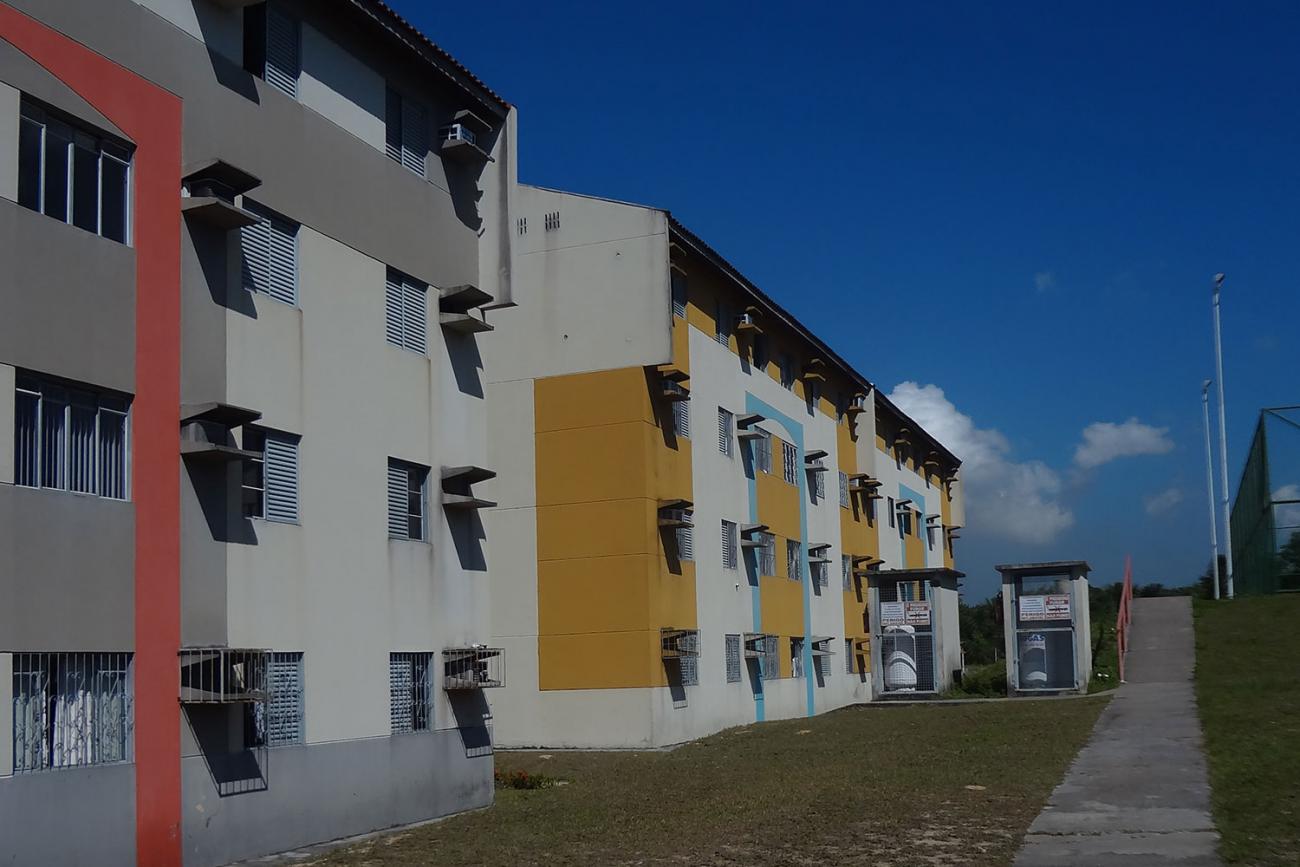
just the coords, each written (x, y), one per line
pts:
(931, 573)
(1052, 567)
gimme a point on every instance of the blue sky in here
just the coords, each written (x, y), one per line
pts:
(1020, 204)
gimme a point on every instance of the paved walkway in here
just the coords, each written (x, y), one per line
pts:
(1137, 793)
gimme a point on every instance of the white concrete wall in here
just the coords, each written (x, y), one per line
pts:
(10, 99)
(343, 88)
(7, 404)
(334, 586)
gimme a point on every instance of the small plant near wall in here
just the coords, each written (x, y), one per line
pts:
(524, 780)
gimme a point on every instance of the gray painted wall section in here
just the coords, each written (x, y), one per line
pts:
(28, 76)
(10, 99)
(78, 817)
(60, 595)
(7, 403)
(68, 304)
(327, 791)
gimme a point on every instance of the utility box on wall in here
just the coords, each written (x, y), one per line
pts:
(1048, 630)
(915, 636)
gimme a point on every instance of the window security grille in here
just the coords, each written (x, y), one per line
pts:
(476, 667)
(70, 439)
(846, 572)
(679, 292)
(722, 328)
(71, 709)
(844, 490)
(848, 656)
(283, 51)
(406, 134)
(410, 687)
(729, 549)
(283, 711)
(690, 666)
(686, 543)
(73, 174)
(726, 431)
(821, 574)
(270, 483)
(789, 463)
(796, 657)
(822, 664)
(819, 483)
(733, 658)
(682, 418)
(406, 312)
(269, 250)
(772, 659)
(762, 448)
(408, 499)
(794, 560)
(767, 555)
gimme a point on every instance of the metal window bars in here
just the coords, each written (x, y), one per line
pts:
(410, 692)
(224, 675)
(677, 643)
(71, 709)
(476, 667)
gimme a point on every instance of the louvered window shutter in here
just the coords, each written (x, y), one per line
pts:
(414, 315)
(393, 330)
(255, 241)
(399, 480)
(725, 424)
(682, 418)
(686, 543)
(401, 687)
(282, 284)
(283, 60)
(284, 716)
(281, 479)
(415, 136)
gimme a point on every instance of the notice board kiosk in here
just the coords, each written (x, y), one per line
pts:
(915, 637)
(1047, 627)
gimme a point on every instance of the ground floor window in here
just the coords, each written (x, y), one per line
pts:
(71, 709)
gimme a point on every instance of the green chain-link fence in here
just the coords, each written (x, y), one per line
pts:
(1266, 513)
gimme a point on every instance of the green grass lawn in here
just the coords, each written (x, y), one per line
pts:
(880, 785)
(1248, 689)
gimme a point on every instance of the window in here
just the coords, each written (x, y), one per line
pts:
(690, 669)
(679, 293)
(70, 439)
(406, 134)
(787, 371)
(762, 447)
(272, 47)
(408, 501)
(846, 572)
(726, 428)
(722, 327)
(733, 658)
(772, 658)
(270, 483)
(729, 556)
(848, 656)
(682, 418)
(905, 522)
(410, 690)
(796, 657)
(686, 543)
(71, 173)
(821, 574)
(406, 311)
(789, 463)
(819, 483)
(269, 251)
(793, 560)
(70, 709)
(283, 714)
(767, 555)
(891, 511)
(844, 490)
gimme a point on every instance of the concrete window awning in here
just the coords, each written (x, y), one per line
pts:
(210, 188)
(456, 487)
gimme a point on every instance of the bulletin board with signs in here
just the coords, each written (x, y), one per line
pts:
(1052, 606)
(907, 613)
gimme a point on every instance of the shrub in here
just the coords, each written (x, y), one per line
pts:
(522, 780)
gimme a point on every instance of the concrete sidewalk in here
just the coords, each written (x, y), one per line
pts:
(1137, 793)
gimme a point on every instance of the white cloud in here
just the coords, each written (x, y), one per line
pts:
(1003, 497)
(1158, 504)
(1104, 441)
(1044, 281)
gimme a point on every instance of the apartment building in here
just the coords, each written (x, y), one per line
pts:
(243, 598)
(695, 489)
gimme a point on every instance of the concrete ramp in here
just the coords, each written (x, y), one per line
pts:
(1137, 793)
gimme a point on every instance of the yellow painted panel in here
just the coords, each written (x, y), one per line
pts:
(681, 344)
(855, 622)
(606, 660)
(587, 464)
(670, 465)
(595, 594)
(604, 529)
(672, 598)
(915, 544)
(589, 399)
(778, 500)
(781, 605)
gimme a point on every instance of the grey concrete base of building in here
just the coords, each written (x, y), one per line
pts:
(1138, 793)
(74, 817)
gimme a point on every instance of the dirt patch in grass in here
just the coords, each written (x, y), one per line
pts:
(881, 786)
(1248, 692)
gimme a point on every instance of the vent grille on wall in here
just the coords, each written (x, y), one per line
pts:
(523, 225)
(552, 221)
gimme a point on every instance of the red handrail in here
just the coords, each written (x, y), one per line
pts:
(1125, 615)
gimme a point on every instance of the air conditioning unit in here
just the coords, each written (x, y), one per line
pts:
(746, 322)
(457, 132)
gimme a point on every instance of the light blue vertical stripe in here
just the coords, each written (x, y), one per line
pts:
(918, 505)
